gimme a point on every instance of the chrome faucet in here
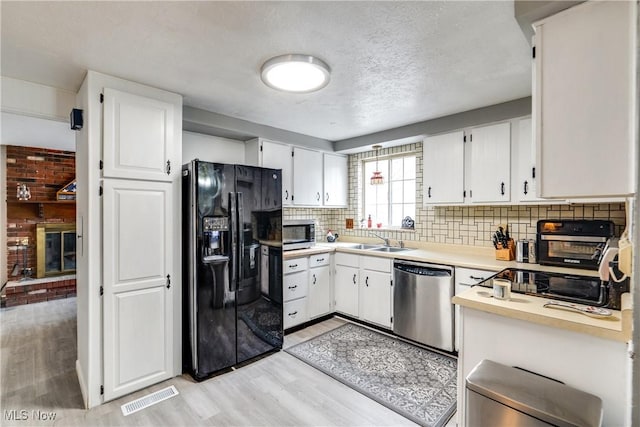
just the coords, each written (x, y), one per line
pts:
(386, 239)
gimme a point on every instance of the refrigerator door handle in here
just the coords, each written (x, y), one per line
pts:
(233, 228)
(240, 221)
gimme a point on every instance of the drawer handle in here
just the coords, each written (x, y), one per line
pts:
(366, 281)
(319, 259)
(293, 314)
(293, 266)
(293, 287)
(354, 279)
(476, 278)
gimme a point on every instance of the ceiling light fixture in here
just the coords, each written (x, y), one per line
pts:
(295, 73)
(377, 178)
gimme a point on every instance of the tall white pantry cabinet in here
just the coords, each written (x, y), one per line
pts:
(128, 172)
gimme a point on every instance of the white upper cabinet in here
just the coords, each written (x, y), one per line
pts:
(490, 157)
(584, 100)
(525, 171)
(335, 167)
(278, 156)
(139, 137)
(307, 177)
(443, 168)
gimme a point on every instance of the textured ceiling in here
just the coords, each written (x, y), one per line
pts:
(393, 63)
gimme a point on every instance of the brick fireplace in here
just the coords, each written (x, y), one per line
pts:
(45, 172)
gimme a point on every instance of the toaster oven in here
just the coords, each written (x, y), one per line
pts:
(572, 243)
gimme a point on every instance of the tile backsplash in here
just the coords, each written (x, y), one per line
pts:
(464, 225)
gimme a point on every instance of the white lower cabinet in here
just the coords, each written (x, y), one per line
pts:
(294, 291)
(466, 278)
(307, 289)
(319, 288)
(363, 288)
(375, 297)
(346, 284)
(295, 312)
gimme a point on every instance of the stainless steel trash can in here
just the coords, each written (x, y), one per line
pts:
(498, 395)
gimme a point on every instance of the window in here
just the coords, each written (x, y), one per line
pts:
(390, 202)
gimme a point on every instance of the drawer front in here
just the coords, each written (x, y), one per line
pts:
(350, 260)
(318, 260)
(295, 285)
(295, 312)
(471, 276)
(375, 263)
(295, 265)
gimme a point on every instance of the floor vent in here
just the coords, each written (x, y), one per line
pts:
(149, 400)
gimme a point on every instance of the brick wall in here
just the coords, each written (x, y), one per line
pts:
(44, 172)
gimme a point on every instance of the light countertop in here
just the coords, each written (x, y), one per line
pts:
(530, 308)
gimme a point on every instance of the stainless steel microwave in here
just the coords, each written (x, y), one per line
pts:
(298, 234)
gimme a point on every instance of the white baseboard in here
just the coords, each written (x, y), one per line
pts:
(83, 385)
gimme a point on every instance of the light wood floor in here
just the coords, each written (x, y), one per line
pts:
(38, 352)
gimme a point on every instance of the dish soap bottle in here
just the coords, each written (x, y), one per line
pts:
(369, 221)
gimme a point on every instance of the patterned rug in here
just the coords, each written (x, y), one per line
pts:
(416, 383)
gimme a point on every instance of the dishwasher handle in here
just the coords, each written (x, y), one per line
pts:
(423, 270)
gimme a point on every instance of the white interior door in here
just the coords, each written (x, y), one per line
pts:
(138, 293)
(138, 137)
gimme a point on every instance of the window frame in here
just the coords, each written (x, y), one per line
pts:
(366, 181)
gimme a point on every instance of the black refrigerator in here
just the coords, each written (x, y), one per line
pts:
(232, 308)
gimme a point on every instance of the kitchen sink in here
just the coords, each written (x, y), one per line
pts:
(389, 249)
(365, 246)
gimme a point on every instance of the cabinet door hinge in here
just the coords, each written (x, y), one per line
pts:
(101, 390)
(101, 98)
(470, 137)
(292, 197)
(391, 282)
(470, 193)
(292, 153)
(261, 148)
(101, 290)
(464, 137)
(533, 172)
(464, 194)
(100, 191)
(101, 164)
(533, 51)
(391, 319)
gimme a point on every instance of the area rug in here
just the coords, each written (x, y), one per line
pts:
(417, 383)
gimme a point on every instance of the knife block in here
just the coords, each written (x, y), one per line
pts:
(508, 253)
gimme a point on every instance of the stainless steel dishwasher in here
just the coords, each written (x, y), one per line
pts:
(422, 309)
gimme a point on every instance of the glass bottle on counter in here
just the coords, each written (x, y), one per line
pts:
(369, 222)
